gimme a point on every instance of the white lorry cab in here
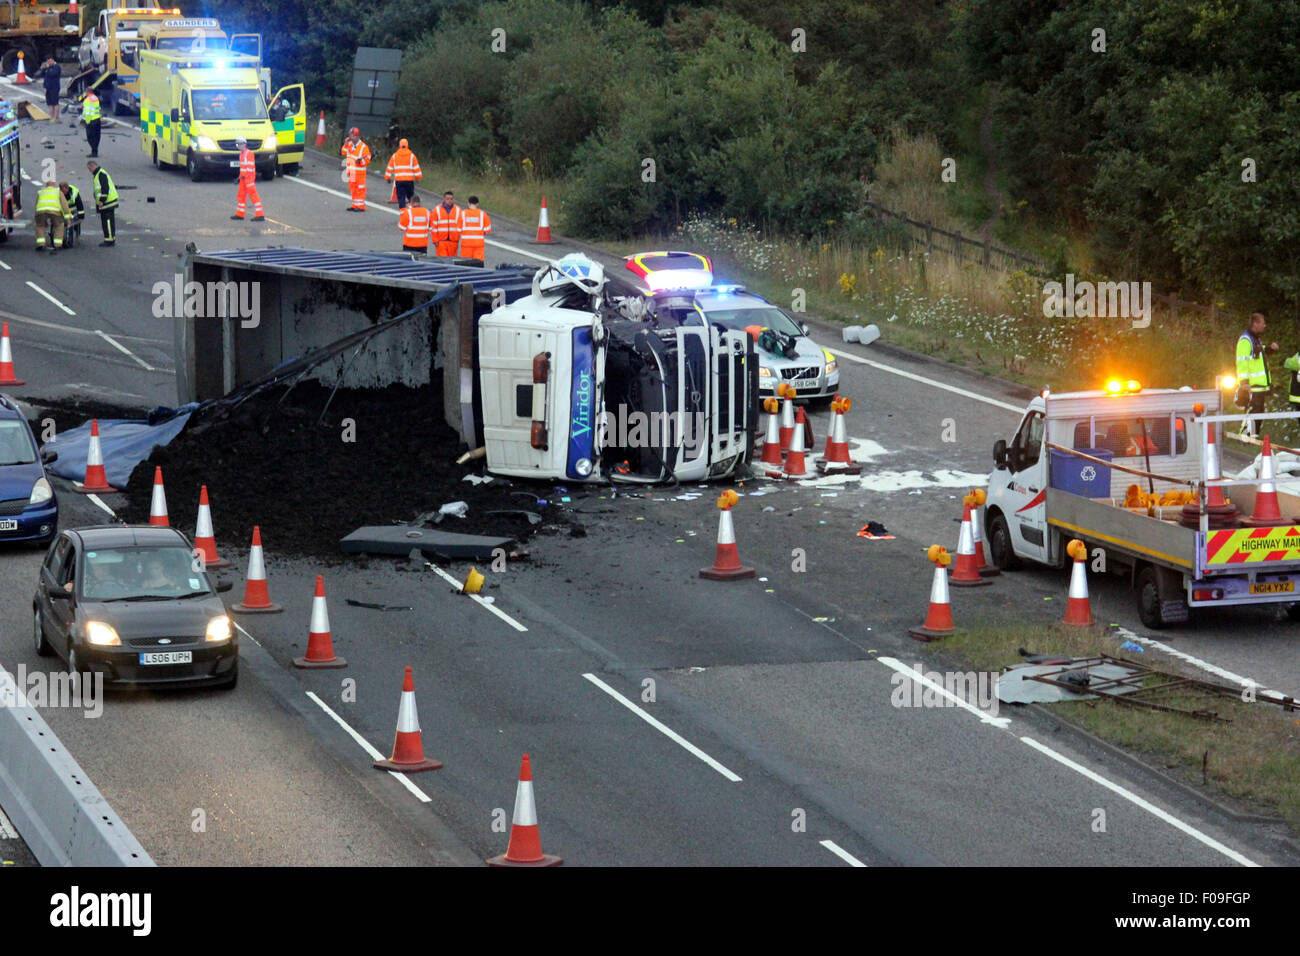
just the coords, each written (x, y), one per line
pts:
(577, 385)
(1129, 472)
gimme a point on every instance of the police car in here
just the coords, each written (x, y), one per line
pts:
(681, 291)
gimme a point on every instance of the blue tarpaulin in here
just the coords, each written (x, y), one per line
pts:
(124, 442)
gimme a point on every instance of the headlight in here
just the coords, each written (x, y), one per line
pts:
(218, 630)
(101, 635)
(41, 491)
(270, 142)
(765, 372)
(205, 143)
(832, 366)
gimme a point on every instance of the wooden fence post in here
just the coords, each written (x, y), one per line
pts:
(929, 238)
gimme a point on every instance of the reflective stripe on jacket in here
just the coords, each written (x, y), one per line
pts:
(247, 166)
(446, 225)
(357, 153)
(105, 191)
(90, 110)
(50, 199)
(1251, 368)
(475, 224)
(403, 167)
(414, 223)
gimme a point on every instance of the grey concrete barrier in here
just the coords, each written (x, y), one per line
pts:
(62, 815)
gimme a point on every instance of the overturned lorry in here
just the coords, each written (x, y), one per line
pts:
(554, 372)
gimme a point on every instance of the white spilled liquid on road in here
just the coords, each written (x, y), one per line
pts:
(864, 451)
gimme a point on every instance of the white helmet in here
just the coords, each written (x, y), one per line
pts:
(575, 269)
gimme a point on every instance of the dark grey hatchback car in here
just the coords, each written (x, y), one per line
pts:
(128, 603)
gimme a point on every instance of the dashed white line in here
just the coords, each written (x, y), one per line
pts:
(374, 754)
(97, 500)
(928, 381)
(33, 285)
(1133, 798)
(7, 831)
(5, 266)
(482, 603)
(124, 350)
(842, 853)
(663, 728)
(1000, 722)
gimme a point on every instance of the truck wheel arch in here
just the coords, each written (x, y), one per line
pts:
(997, 533)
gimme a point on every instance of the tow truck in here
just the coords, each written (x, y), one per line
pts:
(37, 32)
(1126, 470)
(110, 51)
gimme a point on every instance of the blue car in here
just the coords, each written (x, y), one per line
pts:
(29, 511)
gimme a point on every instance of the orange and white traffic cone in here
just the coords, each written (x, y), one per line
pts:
(320, 646)
(786, 393)
(96, 479)
(320, 130)
(22, 70)
(836, 461)
(795, 465)
(392, 197)
(72, 7)
(965, 572)
(7, 376)
(204, 541)
(408, 748)
(772, 456)
(1267, 512)
(1078, 609)
(938, 619)
(726, 561)
(977, 498)
(158, 501)
(543, 224)
(1221, 513)
(257, 596)
(525, 847)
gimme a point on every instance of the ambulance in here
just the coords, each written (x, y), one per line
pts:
(195, 105)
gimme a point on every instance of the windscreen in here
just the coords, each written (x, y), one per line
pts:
(769, 317)
(212, 105)
(119, 574)
(16, 446)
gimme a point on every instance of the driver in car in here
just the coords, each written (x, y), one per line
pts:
(155, 575)
(101, 581)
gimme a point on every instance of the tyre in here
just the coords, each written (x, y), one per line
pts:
(292, 169)
(1000, 549)
(266, 174)
(1150, 608)
(43, 647)
(192, 167)
(156, 164)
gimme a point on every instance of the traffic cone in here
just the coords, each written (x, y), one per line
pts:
(7, 360)
(204, 542)
(795, 465)
(320, 130)
(965, 572)
(787, 393)
(320, 647)
(72, 7)
(1221, 512)
(22, 70)
(1266, 511)
(525, 847)
(408, 750)
(1078, 609)
(96, 479)
(772, 456)
(393, 196)
(158, 501)
(257, 597)
(543, 224)
(836, 461)
(726, 561)
(977, 497)
(938, 619)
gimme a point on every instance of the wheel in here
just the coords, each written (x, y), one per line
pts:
(156, 164)
(267, 174)
(1148, 599)
(192, 167)
(292, 169)
(43, 647)
(999, 538)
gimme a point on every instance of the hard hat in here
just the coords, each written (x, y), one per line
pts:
(241, 139)
(354, 132)
(403, 144)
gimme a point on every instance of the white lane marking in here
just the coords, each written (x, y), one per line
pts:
(487, 604)
(33, 285)
(374, 754)
(1203, 665)
(663, 728)
(124, 350)
(383, 208)
(7, 831)
(142, 339)
(246, 634)
(5, 266)
(895, 664)
(99, 501)
(928, 381)
(842, 853)
(1133, 798)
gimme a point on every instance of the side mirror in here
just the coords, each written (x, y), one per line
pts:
(176, 115)
(224, 586)
(49, 456)
(1000, 453)
(804, 326)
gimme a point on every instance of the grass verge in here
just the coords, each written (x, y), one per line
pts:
(1253, 759)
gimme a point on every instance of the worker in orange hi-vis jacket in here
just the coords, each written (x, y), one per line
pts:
(356, 156)
(404, 170)
(475, 225)
(448, 221)
(413, 221)
(247, 183)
